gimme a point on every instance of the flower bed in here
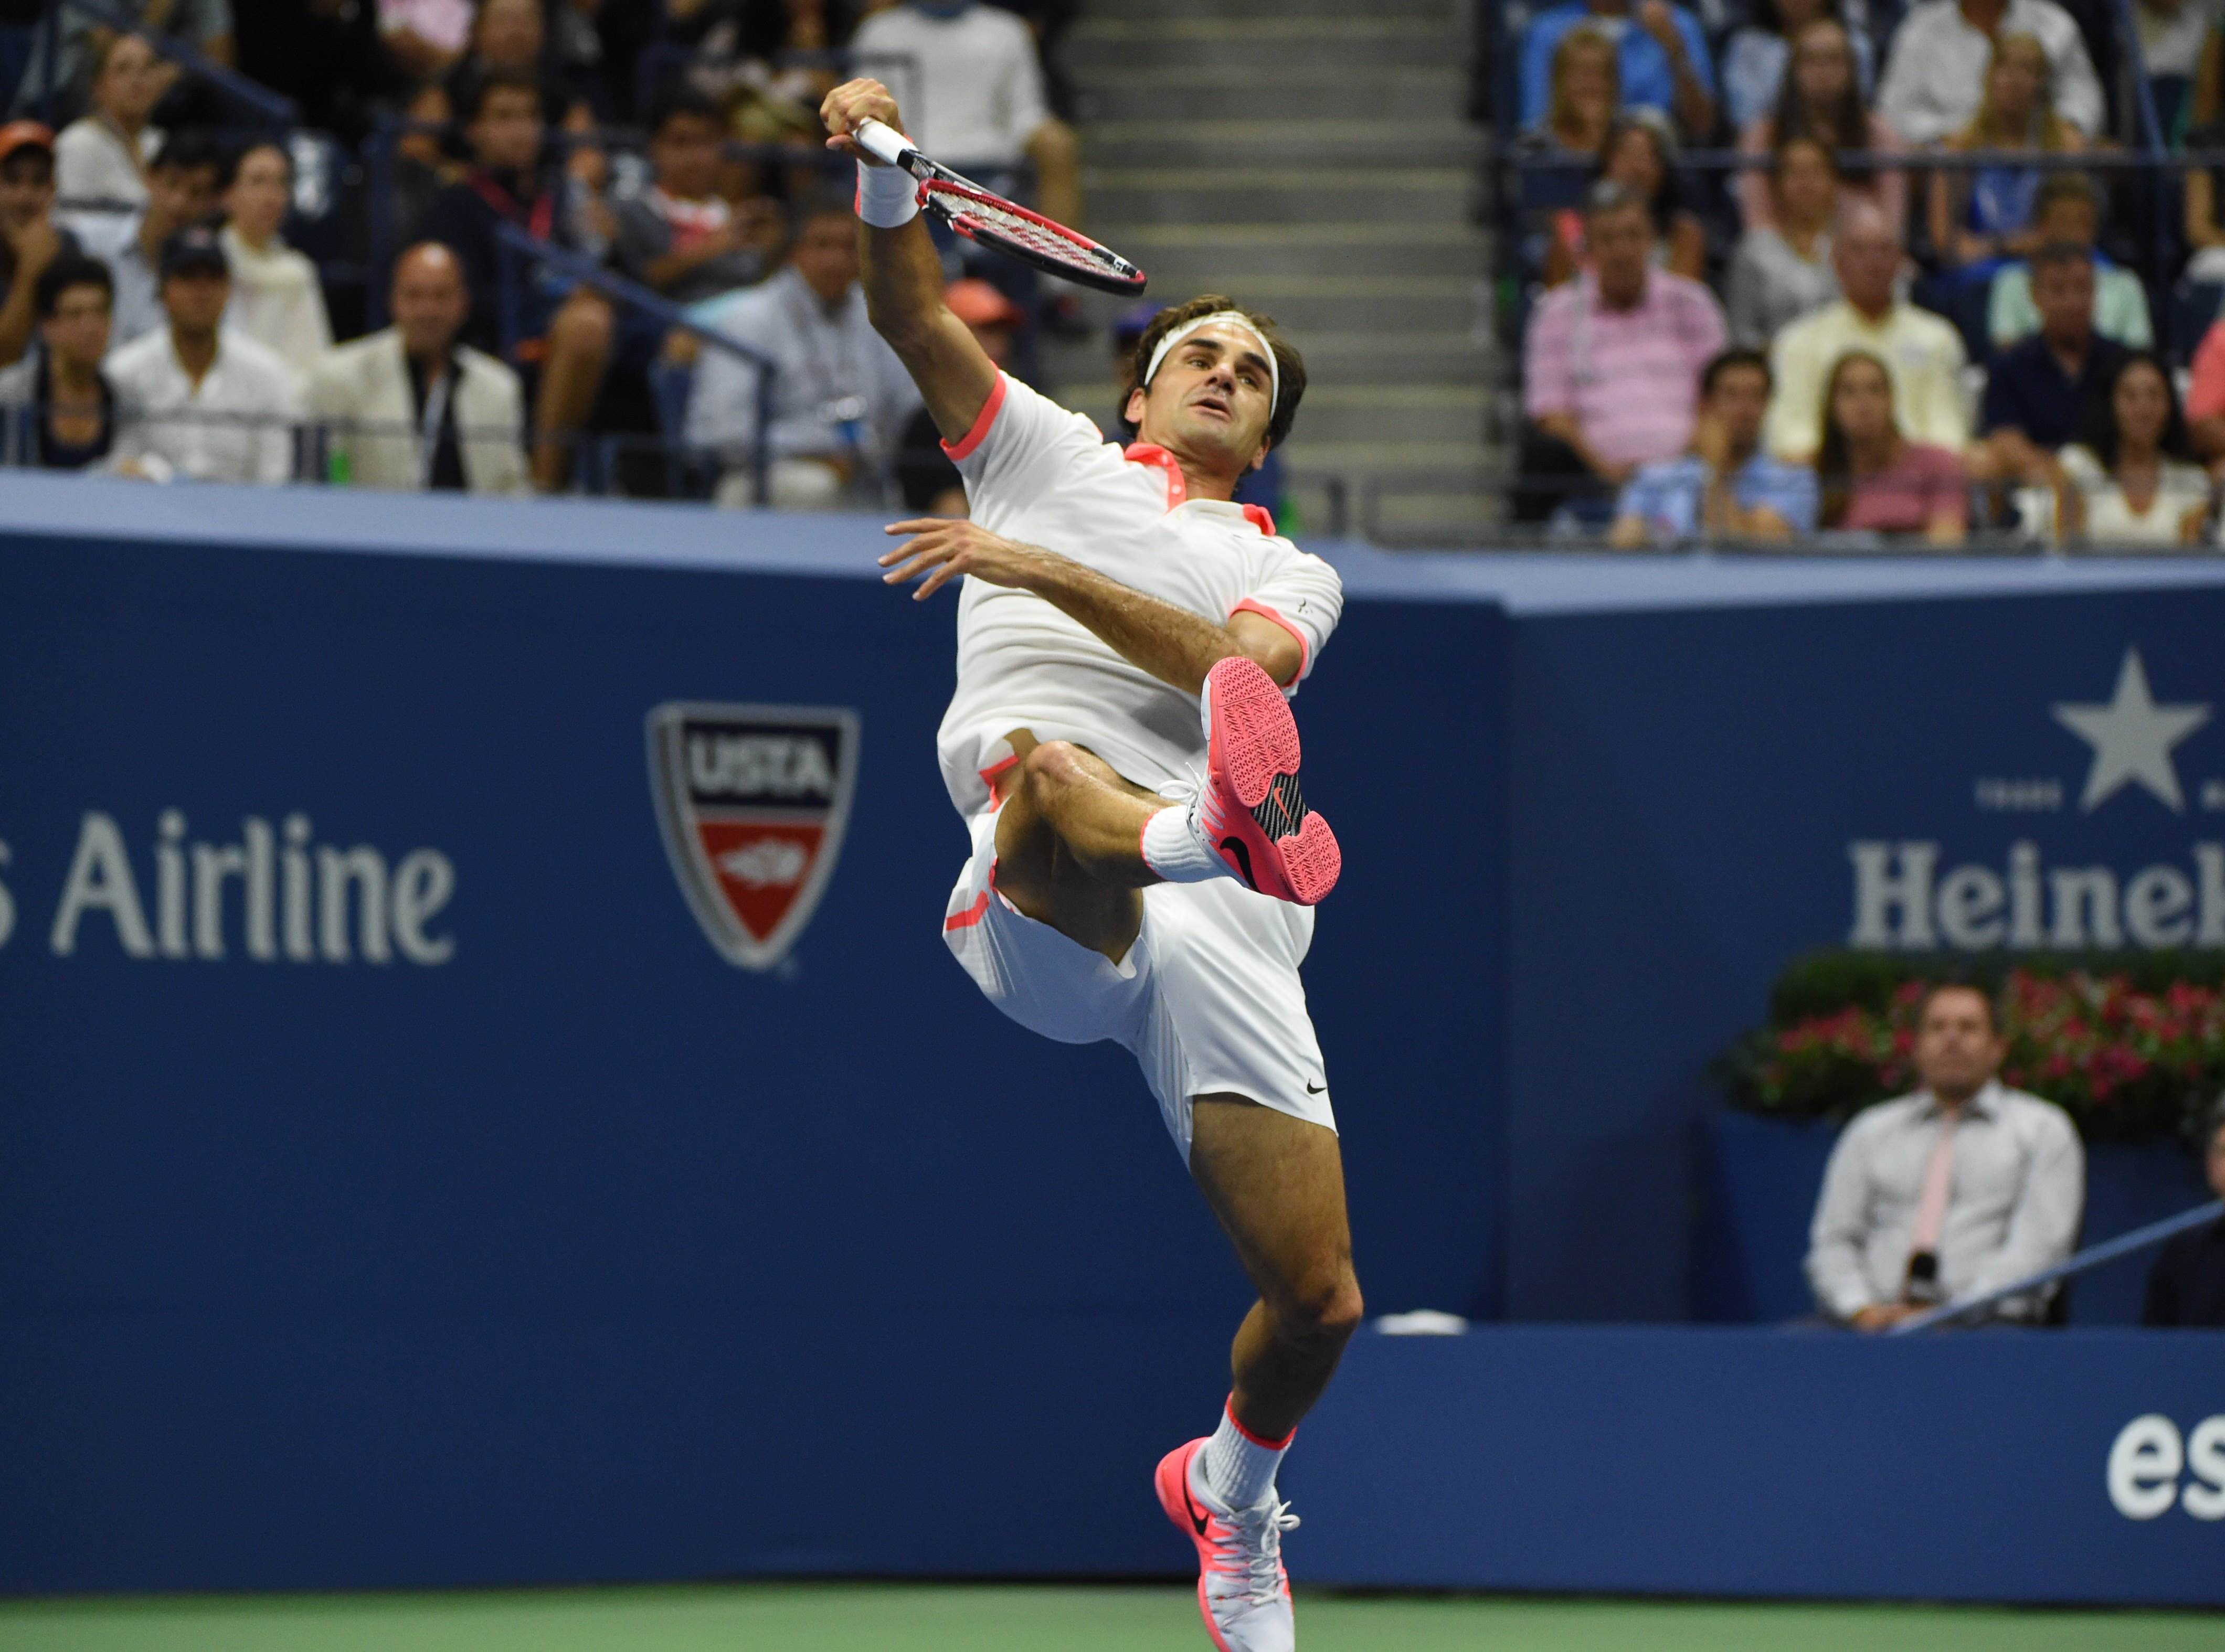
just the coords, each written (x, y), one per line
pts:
(2132, 1048)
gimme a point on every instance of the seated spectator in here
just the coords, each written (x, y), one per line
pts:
(2173, 36)
(1666, 64)
(840, 396)
(1935, 78)
(2132, 479)
(1782, 268)
(1872, 479)
(29, 237)
(680, 236)
(1641, 153)
(1980, 217)
(409, 408)
(1821, 99)
(1726, 487)
(181, 191)
(103, 154)
(1611, 364)
(510, 39)
(565, 331)
(1958, 1188)
(744, 52)
(2040, 393)
(195, 398)
(1925, 352)
(59, 385)
(1586, 94)
(205, 25)
(426, 38)
(276, 297)
(978, 98)
(928, 481)
(1755, 60)
(2068, 217)
(2186, 1282)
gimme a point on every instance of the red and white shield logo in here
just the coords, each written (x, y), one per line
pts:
(752, 801)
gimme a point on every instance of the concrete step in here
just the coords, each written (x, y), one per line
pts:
(1207, 144)
(1106, 46)
(1277, 195)
(1450, 15)
(1188, 254)
(1327, 91)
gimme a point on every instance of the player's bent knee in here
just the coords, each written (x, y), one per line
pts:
(1053, 767)
(1322, 1314)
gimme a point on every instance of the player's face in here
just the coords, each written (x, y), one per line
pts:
(1214, 392)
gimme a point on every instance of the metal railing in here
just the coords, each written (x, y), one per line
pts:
(2093, 1256)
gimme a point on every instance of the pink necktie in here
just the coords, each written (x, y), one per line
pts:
(1938, 1182)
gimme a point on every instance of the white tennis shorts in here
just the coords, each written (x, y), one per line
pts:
(1208, 999)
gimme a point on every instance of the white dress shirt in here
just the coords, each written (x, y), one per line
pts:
(970, 87)
(113, 237)
(237, 425)
(2018, 1192)
(839, 391)
(1935, 77)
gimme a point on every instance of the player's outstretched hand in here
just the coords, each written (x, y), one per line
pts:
(946, 549)
(854, 101)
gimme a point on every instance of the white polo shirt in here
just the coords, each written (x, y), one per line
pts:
(237, 425)
(1039, 474)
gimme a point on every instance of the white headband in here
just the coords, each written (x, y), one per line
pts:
(1228, 318)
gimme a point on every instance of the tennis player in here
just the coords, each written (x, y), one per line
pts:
(1144, 863)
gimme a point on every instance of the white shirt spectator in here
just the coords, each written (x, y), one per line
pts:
(973, 93)
(237, 425)
(2013, 1207)
(2172, 34)
(114, 239)
(278, 300)
(93, 164)
(445, 25)
(363, 390)
(839, 391)
(1935, 77)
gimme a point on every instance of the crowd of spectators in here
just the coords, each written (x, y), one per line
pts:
(189, 290)
(1956, 323)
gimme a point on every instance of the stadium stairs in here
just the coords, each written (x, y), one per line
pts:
(1311, 158)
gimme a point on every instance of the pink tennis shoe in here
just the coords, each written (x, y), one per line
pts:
(1252, 809)
(1243, 1592)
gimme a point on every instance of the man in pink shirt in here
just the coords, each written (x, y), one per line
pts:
(1611, 366)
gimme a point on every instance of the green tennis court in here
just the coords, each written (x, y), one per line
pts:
(867, 1618)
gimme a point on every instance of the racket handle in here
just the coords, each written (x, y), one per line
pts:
(883, 142)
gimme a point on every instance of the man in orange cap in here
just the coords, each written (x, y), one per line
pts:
(929, 480)
(30, 238)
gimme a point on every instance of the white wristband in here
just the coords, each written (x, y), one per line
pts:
(888, 197)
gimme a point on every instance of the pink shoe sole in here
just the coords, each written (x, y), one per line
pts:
(1263, 826)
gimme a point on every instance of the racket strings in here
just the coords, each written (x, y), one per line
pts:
(969, 211)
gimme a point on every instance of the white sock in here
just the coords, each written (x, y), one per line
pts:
(1239, 1467)
(1177, 849)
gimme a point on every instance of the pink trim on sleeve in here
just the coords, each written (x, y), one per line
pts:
(1261, 518)
(1252, 606)
(963, 448)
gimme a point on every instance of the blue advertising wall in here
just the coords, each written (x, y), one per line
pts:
(565, 1249)
(1689, 791)
(553, 1247)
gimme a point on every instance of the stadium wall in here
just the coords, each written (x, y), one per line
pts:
(550, 1245)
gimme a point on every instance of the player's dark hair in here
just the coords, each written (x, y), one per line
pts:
(70, 269)
(1290, 365)
(1736, 357)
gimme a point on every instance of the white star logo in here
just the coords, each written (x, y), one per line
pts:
(2131, 738)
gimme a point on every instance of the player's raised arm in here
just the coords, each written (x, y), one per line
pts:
(903, 274)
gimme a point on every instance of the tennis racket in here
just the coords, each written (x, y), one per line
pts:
(985, 217)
